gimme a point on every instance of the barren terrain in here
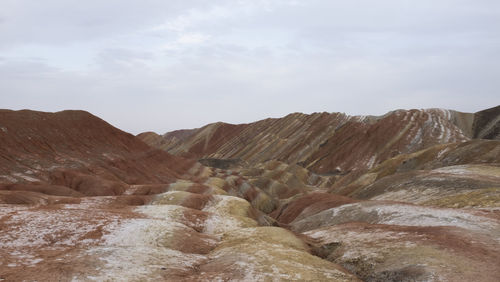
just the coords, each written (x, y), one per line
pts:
(409, 196)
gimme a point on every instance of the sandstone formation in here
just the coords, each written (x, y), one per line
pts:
(408, 196)
(81, 200)
(380, 196)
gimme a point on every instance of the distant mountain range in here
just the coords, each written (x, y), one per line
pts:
(330, 143)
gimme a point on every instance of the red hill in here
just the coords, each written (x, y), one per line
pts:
(78, 150)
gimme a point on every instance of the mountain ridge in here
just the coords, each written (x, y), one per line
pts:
(322, 134)
(407, 195)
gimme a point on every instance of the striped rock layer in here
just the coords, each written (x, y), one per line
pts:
(409, 196)
(330, 143)
(83, 201)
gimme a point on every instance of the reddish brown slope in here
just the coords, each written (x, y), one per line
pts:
(270, 139)
(361, 145)
(68, 211)
(208, 139)
(74, 146)
(328, 143)
(166, 141)
(154, 140)
(179, 135)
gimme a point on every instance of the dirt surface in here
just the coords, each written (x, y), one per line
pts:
(81, 200)
(321, 197)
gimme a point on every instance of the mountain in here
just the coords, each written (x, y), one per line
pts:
(388, 223)
(83, 200)
(166, 141)
(380, 196)
(409, 196)
(333, 143)
(54, 148)
(486, 124)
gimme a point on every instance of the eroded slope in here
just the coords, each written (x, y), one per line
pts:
(325, 143)
(81, 200)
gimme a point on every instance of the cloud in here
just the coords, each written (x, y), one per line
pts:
(192, 38)
(163, 65)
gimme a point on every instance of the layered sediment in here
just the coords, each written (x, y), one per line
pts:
(408, 196)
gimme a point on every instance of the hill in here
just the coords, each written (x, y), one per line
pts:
(333, 143)
(83, 200)
(411, 195)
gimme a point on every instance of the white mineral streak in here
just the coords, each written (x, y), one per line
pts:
(351, 240)
(372, 161)
(470, 171)
(397, 214)
(26, 177)
(140, 263)
(227, 213)
(140, 249)
(45, 229)
(63, 231)
(442, 152)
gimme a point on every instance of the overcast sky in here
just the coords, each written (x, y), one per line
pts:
(162, 65)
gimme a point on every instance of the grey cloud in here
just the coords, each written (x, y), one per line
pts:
(247, 60)
(62, 21)
(114, 59)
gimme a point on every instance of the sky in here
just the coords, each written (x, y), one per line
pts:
(156, 65)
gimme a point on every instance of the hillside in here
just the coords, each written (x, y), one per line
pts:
(408, 196)
(379, 195)
(41, 147)
(332, 143)
(82, 200)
